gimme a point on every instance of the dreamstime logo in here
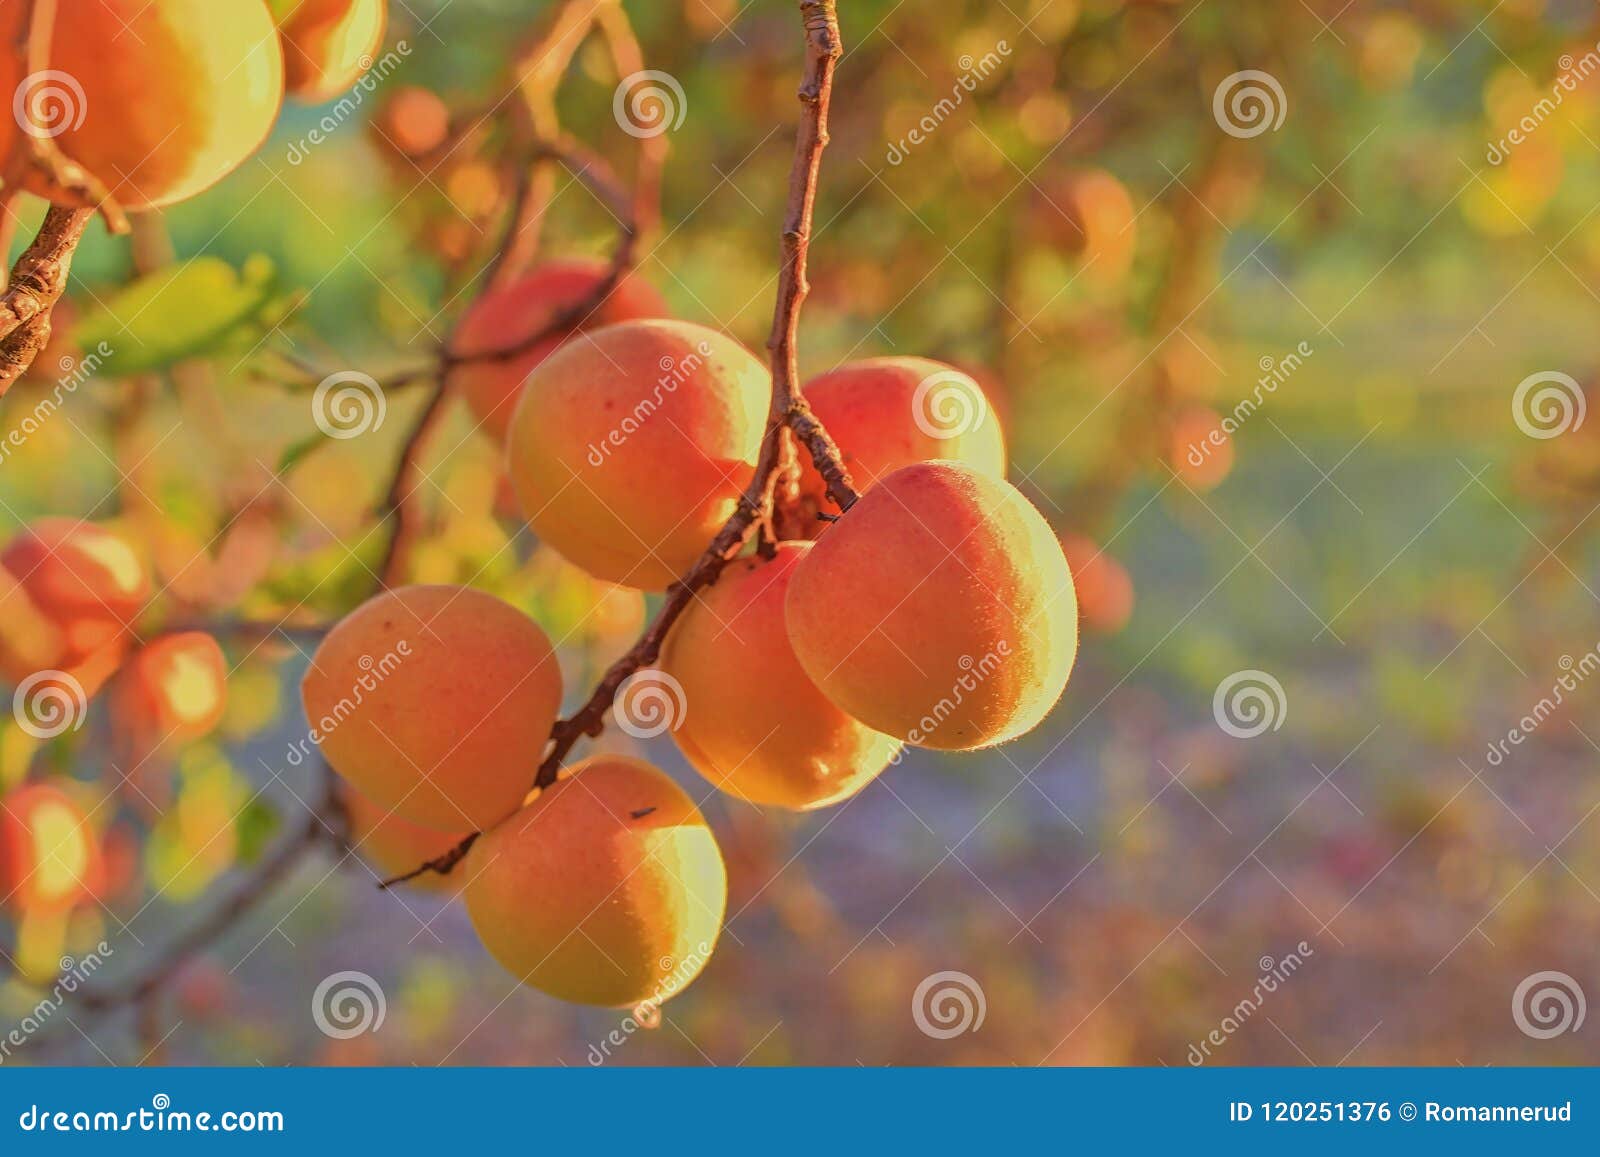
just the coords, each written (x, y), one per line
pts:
(649, 103)
(374, 73)
(973, 673)
(1548, 404)
(1275, 973)
(348, 1004)
(1572, 73)
(47, 104)
(650, 703)
(674, 372)
(647, 1013)
(1248, 103)
(1547, 1004)
(1249, 703)
(973, 71)
(373, 673)
(73, 975)
(948, 404)
(947, 1004)
(1274, 372)
(74, 371)
(49, 703)
(348, 404)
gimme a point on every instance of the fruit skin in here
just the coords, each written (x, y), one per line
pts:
(85, 579)
(515, 312)
(631, 445)
(938, 609)
(608, 888)
(435, 702)
(394, 845)
(49, 854)
(171, 691)
(872, 410)
(325, 43)
(756, 725)
(175, 93)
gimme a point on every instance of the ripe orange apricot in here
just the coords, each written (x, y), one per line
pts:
(414, 121)
(1104, 590)
(755, 725)
(632, 443)
(608, 888)
(886, 413)
(394, 845)
(159, 99)
(49, 853)
(327, 44)
(435, 702)
(84, 578)
(513, 313)
(938, 609)
(171, 691)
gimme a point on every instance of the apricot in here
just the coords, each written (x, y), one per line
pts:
(327, 44)
(607, 888)
(756, 726)
(938, 609)
(1199, 447)
(171, 691)
(414, 121)
(85, 579)
(1104, 590)
(631, 446)
(29, 640)
(511, 314)
(159, 99)
(49, 853)
(435, 702)
(1089, 215)
(886, 413)
(394, 845)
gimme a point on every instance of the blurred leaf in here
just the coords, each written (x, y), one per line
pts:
(202, 308)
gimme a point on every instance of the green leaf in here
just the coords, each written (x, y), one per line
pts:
(202, 308)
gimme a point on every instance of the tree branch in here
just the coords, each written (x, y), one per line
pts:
(787, 410)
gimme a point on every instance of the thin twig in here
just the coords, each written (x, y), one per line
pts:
(787, 410)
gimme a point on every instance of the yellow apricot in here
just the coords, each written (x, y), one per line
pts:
(885, 413)
(327, 44)
(755, 725)
(435, 702)
(631, 445)
(159, 99)
(607, 888)
(938, 609)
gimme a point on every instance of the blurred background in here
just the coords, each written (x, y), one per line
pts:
(1252, 286)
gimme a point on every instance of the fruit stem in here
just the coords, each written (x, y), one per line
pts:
(787, 411)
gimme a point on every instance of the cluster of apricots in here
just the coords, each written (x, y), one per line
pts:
(225, 68)
(938, 610)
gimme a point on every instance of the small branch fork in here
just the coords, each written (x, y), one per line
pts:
(787, 413)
